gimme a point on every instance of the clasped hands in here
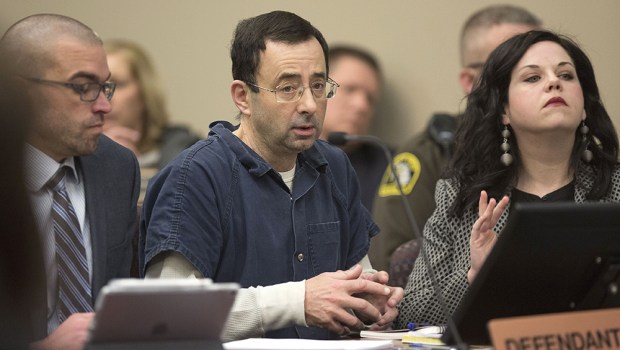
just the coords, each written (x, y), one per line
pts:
(329, 297)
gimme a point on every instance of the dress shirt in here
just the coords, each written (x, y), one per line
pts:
(39, 170)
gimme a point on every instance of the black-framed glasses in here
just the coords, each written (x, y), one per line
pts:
(289, 92)
(89, 92)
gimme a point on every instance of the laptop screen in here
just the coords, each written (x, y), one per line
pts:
(154, 310)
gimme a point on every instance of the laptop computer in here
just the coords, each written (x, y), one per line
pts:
(550, 257)
(160, 313)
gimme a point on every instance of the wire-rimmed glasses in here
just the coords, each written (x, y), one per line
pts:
(289, 92)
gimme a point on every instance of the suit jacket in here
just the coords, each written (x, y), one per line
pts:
(111, 186)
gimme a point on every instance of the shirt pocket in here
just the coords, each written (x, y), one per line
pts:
(324, 246)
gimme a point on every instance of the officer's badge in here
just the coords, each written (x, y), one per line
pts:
(408, 171)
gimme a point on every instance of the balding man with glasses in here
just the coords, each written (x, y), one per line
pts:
(267, 205)
(83, 186)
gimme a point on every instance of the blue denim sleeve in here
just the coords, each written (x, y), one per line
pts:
(181, 212)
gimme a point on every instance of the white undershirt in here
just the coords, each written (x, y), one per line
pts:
(256, 309)
(288, 177)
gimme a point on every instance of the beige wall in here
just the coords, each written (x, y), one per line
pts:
(415, 40)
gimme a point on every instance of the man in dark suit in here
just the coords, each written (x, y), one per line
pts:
(83, 187)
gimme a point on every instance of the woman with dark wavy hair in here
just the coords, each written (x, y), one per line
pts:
(535, 129)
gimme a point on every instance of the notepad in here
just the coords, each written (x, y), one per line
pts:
(307, 344)
(389, 334)
(430, 335)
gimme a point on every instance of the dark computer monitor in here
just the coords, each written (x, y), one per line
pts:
(550, 257)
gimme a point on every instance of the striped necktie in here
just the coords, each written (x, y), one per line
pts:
(74, 290)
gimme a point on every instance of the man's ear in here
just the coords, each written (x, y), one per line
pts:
(240, 93)
(467, 78)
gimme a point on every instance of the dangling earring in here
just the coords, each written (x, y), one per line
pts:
(506, 158)
(586, 155)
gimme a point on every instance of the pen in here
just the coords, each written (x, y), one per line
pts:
(413, 326)
(430, 347)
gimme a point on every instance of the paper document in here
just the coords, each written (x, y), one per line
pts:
(425, 335)
(307, 344)
(391, 334)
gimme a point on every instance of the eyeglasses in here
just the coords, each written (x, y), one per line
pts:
(289, 92)
(89, 92)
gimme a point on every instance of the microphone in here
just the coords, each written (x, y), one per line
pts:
(341, 138)
(442, 128)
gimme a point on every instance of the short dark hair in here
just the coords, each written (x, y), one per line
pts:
(495, 15)
(27, 41)
(338, 51)
(475, 164)
(250, 38)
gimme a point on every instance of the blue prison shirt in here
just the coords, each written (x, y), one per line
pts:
(230, 214)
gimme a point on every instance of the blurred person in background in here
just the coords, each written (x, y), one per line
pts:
(352, 111)
(422, 159)
(139, 119)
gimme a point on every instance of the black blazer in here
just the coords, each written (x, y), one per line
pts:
(111, 186)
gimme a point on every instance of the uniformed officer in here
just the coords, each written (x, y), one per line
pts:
(421, 160)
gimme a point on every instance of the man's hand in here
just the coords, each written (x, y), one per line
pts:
(330, 295)
(70, 335)
(386, 304)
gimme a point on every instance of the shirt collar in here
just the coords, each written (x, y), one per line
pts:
(40, 168)
(251, 160)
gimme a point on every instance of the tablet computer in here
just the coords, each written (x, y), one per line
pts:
(550, 257)
(159, 310)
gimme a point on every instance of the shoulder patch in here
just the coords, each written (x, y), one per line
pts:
(408, 171)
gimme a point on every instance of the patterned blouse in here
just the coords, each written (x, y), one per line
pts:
(446, 243)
